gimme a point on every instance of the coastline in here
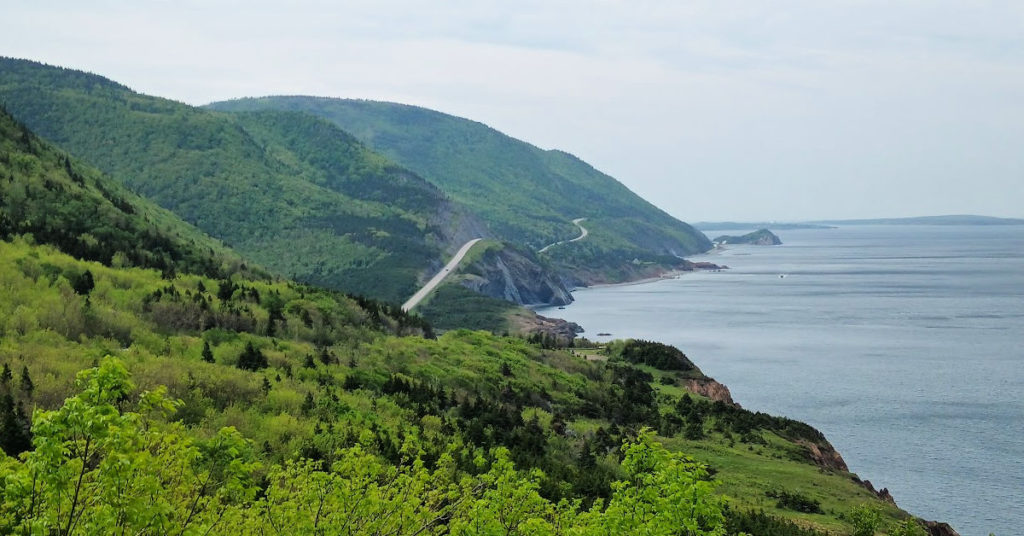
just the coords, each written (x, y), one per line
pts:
(869, 461)
(667, 274)
(671, 274)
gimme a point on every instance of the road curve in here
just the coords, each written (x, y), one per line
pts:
(436, 280)
(583, 234)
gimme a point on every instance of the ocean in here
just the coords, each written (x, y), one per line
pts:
(903, 344)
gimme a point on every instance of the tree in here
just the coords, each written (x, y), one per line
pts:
(908, 527)
(98, 470)
(665, 493)
(14, 427)
(83, 284)
(308, 404)
(26, 382)
(865, 519)
(252, 359)
(207, 353)
(6, 376)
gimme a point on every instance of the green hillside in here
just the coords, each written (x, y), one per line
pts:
(291, 192)
(260, 375)
(215, 403)
(59, 200)
(527, 195)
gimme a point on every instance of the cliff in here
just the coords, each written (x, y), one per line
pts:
(512, 274)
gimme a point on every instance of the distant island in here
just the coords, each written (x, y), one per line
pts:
(761, 237)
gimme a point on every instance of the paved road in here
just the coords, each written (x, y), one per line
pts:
(436, 280)
(583, 234)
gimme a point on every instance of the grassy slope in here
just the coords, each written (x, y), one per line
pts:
(306, 206)
(526, 194)
(54, 332)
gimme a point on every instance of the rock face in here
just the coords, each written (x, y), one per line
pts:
(934, 528)
(882, 493)
(824, 456)
(937, 528)
(517, 276)
(710, 388)
(560, 330)
(762, 237)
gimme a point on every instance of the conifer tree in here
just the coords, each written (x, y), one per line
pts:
(26, 382)
(14, 435)
(207, 352)
(252, 359)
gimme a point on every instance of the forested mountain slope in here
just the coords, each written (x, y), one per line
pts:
(61, 201)
(216, 403)
(289, 191)
(527, 195)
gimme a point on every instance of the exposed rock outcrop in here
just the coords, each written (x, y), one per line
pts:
(824, 455)
(530, 323)
(515, 275)
(881, 493)
(710, 388)
(938, 528)
(934, 528)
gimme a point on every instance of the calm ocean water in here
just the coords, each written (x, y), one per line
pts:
(903, 344)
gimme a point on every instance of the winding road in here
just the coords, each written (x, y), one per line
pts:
(436, 280)
(583, 234)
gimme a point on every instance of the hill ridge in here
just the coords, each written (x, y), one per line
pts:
(523, 192)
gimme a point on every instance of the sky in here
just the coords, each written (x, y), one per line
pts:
(711, 109)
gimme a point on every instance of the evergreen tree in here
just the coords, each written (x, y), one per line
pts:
(207, 352)
(6, 376)
(14, 427)
(26, 382)
(84, 283)
(252, 359)
(307, 404)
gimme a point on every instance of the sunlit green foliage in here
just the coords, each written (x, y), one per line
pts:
(339, 376)
(103, 465)
(98, 469)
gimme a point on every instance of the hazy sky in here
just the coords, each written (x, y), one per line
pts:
(712, 109)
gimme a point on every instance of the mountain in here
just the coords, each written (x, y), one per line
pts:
(175, 391)
(290, 191)
(61, 201)
(526, 195)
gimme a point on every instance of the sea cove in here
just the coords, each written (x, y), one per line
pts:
(903, 344)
